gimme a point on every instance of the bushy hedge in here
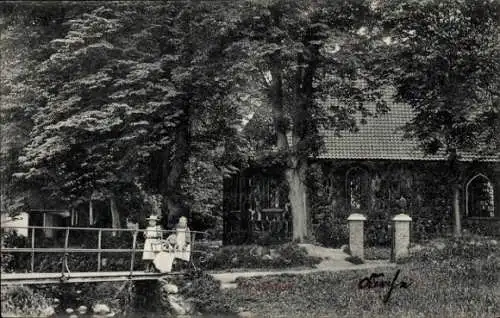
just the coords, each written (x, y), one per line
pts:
(483, 226)
(467, 247)
(255, 256)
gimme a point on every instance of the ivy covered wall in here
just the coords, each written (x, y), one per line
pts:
(381, 189)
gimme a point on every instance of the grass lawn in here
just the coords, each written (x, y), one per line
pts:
(448, 283)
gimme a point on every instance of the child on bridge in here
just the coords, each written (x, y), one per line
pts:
(177, 245)
(153, 236)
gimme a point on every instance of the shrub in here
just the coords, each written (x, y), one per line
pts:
(12, 261)
(483, 226)
(254, 256)
(467, 247)
(23, 302)
(333, 232)
(203, 291)
(7, 263)
(12, 239)
(355, 260)
(429, 223)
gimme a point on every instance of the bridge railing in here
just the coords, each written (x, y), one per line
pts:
(74, 245)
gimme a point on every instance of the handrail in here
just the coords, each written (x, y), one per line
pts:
(89, 229)
(86, 228)
(68, 250)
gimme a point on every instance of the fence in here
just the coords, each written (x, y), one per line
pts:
(65, 249)
(266, 227)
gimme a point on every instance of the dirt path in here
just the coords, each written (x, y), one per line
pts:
(333, 261)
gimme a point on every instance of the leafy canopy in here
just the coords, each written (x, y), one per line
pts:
(444, 60)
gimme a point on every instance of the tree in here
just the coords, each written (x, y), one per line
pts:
(131, 96)
(105, 95)
(131, 93)
(25, 33)
(444, 61)
(313, 62)
(448, 62)
(207, 92)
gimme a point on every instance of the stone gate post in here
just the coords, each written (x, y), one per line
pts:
(401, 243)
(356, 234)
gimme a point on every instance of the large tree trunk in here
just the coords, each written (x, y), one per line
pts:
(298, 200)
(115, 215)
(175, 209)
(295, 173)
(276, 96)
(172, 173)
(455, 172)
(301, 128)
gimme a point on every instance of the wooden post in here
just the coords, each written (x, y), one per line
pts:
(33, 250)
(66, 239)
(66, 243)
(99, 239)
(132, 258)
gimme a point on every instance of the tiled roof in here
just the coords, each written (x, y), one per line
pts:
(382, 138)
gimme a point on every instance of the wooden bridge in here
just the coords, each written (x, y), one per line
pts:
(24, 259)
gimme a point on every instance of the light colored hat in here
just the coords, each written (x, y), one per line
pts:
(153, 217)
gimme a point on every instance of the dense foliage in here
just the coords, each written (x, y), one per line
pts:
(144, 107)
(314, 69)
(24, 30)
(255, 256)
(126, 97)
(448, 65)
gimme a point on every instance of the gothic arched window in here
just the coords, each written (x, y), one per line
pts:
(480, 197)
(357, 189)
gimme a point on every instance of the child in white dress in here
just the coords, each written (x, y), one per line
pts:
(152, 235)
(177, 245)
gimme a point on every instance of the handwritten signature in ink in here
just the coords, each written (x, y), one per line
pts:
(375, 281)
